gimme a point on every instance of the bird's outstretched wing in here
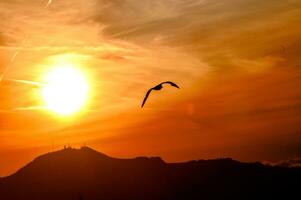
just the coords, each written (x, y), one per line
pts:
(171, 83)
(146, 96)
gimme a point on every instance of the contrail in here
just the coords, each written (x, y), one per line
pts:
(12, 59)
(48, 3)
(20, 109)
(28, 108)
(26, 82)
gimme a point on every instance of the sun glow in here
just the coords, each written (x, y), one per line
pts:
(66, 90)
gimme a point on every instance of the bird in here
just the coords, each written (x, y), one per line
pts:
(158, 87)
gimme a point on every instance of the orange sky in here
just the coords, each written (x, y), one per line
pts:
(237, 63)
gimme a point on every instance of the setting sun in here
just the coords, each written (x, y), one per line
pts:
(66, 90)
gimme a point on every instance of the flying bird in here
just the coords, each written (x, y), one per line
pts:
(158, 87)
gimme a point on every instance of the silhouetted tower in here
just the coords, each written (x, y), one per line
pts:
(81, 197)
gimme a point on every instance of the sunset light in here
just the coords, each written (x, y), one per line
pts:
(66, 90)
(150, 99)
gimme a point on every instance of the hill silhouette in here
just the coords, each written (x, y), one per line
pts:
(71, 174)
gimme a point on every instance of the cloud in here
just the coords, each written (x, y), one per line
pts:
(2, 43)
(218, 31)
(296, 162)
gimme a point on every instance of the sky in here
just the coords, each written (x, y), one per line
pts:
(237, 63)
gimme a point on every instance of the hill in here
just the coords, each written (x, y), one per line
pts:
(71, 174)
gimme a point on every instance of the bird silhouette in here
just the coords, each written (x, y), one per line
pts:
(158, 87)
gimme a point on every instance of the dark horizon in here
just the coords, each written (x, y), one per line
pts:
(69, 174)
(290, 163)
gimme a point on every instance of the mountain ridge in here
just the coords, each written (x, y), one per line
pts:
(70, 173)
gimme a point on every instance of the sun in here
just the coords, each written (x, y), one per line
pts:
(66, 90)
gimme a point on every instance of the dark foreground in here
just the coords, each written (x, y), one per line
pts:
(73, 174)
